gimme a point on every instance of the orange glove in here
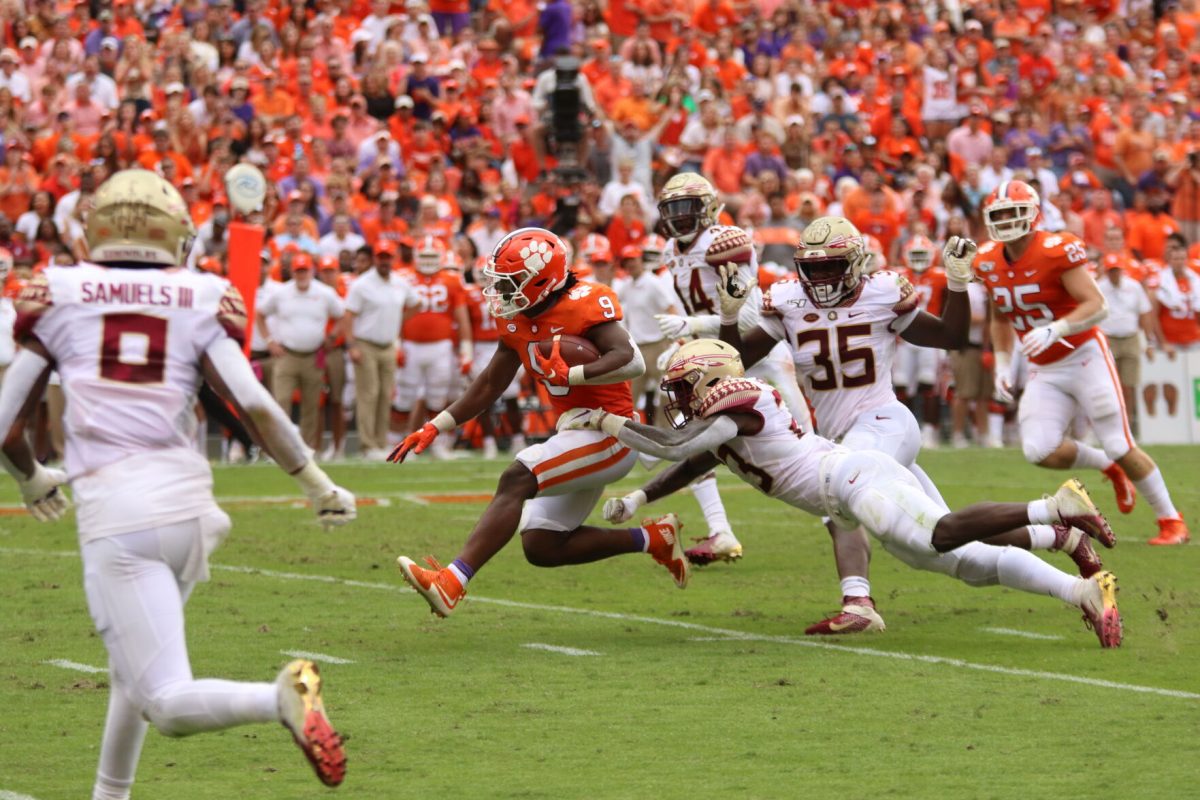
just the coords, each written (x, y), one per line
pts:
(555, 370)
(400, 357)
(987, 360)
(415, 442)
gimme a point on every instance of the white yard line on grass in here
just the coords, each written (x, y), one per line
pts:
(321, 657)
(15, 796)
(1023, 634)
(702, 629)
(75, 665)
(566, 651)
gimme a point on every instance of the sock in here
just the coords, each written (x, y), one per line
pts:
(996, 427)
(1021, 569)
(1087, 457)
(211, 705)
(462, 570)
(856, 586)
(1041, 537)
(713, 509)
(1154, 489)
(641, 539)
(1041, 513)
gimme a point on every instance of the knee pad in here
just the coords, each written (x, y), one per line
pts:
(156, 713)
(1038, 442)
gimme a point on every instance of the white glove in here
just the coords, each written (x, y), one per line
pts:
(1002, 378)
(334, 505)
(622, 509)
(957, 258)
(1039, 339)
(673, 326)
(732, 291)
(664, 360)
(579, 419)
(42, 494)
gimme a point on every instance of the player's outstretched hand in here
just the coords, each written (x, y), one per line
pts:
(957, 258)
(673, 326)
(43, 494)
(732, 291)
(554, 368)
(622, 509)
(579, 419)
(335, 508)
(414, 443)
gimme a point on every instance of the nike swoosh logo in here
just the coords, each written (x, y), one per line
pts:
(451, 603)
(556, 329)
(1029, 273)
(841, 626)
(852, 480)
(854, 314)
(879, 417)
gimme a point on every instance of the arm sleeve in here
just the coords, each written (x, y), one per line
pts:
(630, 370)
(678, 445)
(19, 382)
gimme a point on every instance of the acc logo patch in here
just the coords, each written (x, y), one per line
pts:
(985, 266)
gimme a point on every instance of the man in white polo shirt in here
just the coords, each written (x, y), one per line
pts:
(1129, 310)
(374, 309)
(643, 295)
(298, 313)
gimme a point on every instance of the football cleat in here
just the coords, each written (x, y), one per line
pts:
(1124, 489)
(301, 711)
(1172, 531)
(719, 546)
(1076, 544)
(665, 548)
(439, 587)
(1076, 509)
(858, 615)
(1099, 604)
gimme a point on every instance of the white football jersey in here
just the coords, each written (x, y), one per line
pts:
(696, 282)
(128, 344)
(779, 460)
(844, 354)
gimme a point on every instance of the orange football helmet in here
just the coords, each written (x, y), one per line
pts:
(918, 253)
(525, 267)
(652, 249)
(1019, 198)
(428, 254)
(596, 247)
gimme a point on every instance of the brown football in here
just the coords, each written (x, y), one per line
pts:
(730, 244)
(575, 350)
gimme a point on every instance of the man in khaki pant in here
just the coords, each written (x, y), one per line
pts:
(296, 316)
(375, 306)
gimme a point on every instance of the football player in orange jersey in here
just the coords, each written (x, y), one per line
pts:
(916, 368)
(551, 488)
(1040, 288)
(431, 324)
(485, 333)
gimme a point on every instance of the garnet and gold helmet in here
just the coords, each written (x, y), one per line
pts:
(831, 260)
(688, 205)
(525, 267)
(138, 217)
(694, 370)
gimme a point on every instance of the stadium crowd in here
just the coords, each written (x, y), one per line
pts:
(402, 141)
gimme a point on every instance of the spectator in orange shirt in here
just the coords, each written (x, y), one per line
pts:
(1099, 218)
(627, 226)
(725, 165)
(162, 150)
(1148, 232)
(712, 16)
(1133, 151)
(18, 180)
(273, 103)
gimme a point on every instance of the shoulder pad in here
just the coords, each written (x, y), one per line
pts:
(231, 313)
(731, 394)
(985, 248)
(768, 303)
(908, 297)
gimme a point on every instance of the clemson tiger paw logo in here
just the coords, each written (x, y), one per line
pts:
(537, 255)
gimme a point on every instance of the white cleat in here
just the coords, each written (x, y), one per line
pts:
(302, 712)
(1076, 510)
(719, 546)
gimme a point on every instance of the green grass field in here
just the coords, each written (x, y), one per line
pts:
(709, 692)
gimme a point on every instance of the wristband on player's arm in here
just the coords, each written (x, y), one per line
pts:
(444, 422)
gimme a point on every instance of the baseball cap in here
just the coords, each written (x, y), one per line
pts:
(301, 261)
(111, 42)
(29, 41)
(404, 101)
(328, 262)
(418, 58)
(631, 251)
(8, 54)
(174, 88)
(385, 246)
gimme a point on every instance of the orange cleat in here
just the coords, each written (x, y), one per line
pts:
(665, 547)
(1172, 531)
(438, 586)
(302, 712)
(1123, 488)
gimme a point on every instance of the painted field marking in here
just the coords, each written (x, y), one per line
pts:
(324, 658)
(566, 651)
(75, 665)
(1023, 634)
(15, 796)
(700, 629)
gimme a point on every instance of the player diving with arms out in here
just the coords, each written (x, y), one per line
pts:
(742, 423)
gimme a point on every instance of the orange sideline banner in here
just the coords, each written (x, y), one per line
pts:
(245, 267)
